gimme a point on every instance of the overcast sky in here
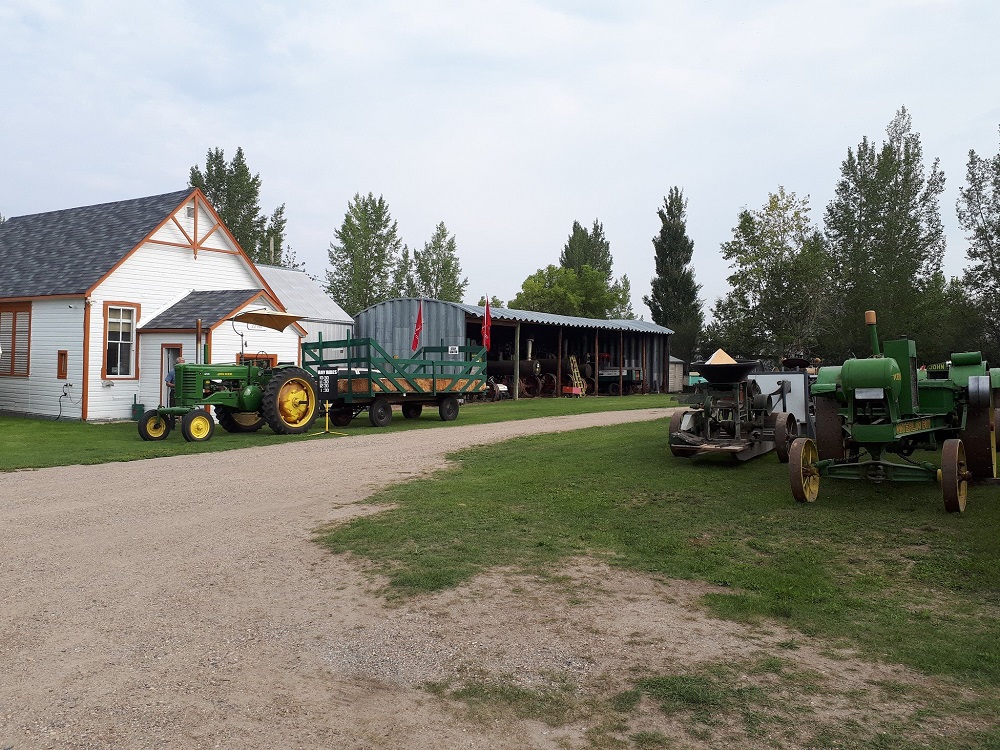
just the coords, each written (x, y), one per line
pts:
(505, 120)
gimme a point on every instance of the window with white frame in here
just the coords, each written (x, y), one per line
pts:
(15, 338)
(120, 337)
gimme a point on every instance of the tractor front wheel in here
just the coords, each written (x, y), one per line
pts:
(153, 426)
(197, 426)
(289, 405)
(954, 475)
(802, 471)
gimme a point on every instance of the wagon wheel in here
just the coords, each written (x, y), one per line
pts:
(411, 410)
(591, 386)
(613, 389)
(676, 419)
(954, 475)
(448, 409)
(786, 429)
(829, 430)
(979, 436)
(802, 472)
(238, 421)
(152, 426)
(341, 417)
(197, 426)
(380, 412)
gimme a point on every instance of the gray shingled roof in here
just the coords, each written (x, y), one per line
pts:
(68, 251)
(211, 306)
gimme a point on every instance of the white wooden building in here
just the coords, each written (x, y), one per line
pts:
(96, 302)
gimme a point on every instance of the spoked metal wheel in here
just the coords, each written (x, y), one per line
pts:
(954, 476)
(802, 472)
(786, 429)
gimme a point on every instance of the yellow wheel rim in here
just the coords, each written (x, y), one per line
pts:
(199, 427)
(156, 427)
(295, 402)
(810, 475)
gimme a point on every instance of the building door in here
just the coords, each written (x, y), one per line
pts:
(169, 359)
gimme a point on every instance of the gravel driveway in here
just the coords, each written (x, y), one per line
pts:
(180, 603)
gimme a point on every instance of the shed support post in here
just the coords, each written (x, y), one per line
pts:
(559, 365)
(517, 360)
(621, 360)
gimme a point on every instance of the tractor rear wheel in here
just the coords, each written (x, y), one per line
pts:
(412, 411)
(197, 426)
(829, 429)
(802, 472)
(979, 435)
(238, 421)
(448, 409)
(954, 476)
(289, 404)
(152, 426)
(786, 429)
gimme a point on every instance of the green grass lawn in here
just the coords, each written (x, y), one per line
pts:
(881, 569)
(36, 443)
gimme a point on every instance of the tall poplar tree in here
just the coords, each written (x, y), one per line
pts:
(365, 256)
(235, 194)
(673, 299)
(886, 239)
(437, 268)
(979, 214)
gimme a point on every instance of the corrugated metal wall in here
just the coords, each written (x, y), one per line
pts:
(391, 324)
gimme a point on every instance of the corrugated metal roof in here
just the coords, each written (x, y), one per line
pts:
(303, 296)
(530, 316)
(68, 251)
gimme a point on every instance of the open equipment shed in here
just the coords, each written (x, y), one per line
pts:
(614, 357)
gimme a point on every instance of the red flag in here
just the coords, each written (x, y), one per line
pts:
(419, 326)
(486, 326)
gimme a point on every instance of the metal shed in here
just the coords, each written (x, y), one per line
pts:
(613, 356)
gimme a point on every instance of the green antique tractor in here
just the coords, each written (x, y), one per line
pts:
(869, 409)
(245, 396)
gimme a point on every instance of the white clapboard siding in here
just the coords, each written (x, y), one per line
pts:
(55, 325)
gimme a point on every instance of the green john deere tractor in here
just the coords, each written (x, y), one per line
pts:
(245, 397)
(869, 409)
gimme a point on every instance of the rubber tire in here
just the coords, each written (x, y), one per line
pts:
(154, 427)
(614, 390)
(197, 426)
(380, 412)
(280, 421)
(412, 411)
(448, 409)
(238, 421)
(341, 417)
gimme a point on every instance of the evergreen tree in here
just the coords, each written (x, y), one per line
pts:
(438, 270)
(235, 194)
(885, 237)
(587, 248)
(365, 257)
(673, 300)
(979, 215)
